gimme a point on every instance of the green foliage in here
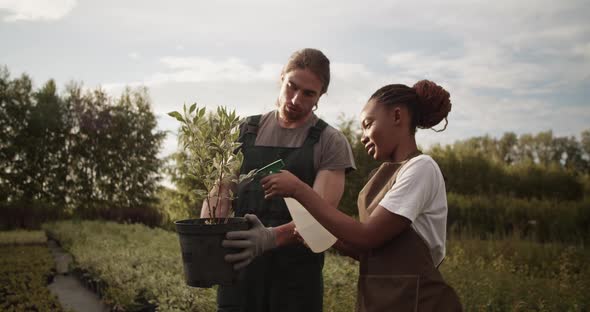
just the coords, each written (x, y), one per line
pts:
(180, 202)
(340, 280)
(113, 152)
(211, 155)
(494, 275)
(142, 265)
(133, 264)
(515, 275)
(27, 214)
(542, 148)
(139, 264)
(174, 206)
(530, 166)
(473, 172)
(25, 272)
(75, 154)
(20, 237)
(15, 107)
(32, 167)
(501, 216)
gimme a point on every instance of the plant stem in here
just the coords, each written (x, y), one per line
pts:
(209, 206)
(221, 163)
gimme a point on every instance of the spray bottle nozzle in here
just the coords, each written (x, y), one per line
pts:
(271, 168)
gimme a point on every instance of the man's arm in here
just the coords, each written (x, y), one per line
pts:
(329, 184)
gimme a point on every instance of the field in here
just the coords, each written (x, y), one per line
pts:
(26, 268)
(139, 267)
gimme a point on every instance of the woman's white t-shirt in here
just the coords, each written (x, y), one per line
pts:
(419, 195)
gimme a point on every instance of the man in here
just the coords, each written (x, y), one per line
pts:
(279, 273)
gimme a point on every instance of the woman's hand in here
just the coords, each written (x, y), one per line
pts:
(283, 184)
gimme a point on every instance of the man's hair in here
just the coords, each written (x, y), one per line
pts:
(311, 59)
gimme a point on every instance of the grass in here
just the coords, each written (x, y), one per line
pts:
(509, 274)
(518, 275)
(26, 267)
(135, 266)
(22, 237)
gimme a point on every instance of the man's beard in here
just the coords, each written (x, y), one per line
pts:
(291, 115)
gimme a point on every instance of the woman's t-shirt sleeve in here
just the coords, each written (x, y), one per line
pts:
(412, 190)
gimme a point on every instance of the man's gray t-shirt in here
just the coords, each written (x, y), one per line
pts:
(332, 151)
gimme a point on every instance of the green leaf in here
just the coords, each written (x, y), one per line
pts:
(176, 115)
(193, 107)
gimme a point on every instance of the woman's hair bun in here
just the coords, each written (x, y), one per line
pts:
(434, 103)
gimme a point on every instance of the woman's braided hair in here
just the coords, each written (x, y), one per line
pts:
(427, 102)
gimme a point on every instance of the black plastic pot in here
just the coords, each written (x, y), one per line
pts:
(202, 253)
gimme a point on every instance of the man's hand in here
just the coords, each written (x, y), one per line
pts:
(299, 238)
(253, 242)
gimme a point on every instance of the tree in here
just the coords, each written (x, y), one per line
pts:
(114, 147)
(32, 174)
(133, 143)
(15, 107)
(507, 148)
(77, 153)
(585, 144)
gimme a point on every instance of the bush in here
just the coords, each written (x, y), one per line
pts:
(472, 173)
(24, 275)
(500, 216)
(27, 215)
(150, 215)
(136, 266)
(22, 238)
(516, 275)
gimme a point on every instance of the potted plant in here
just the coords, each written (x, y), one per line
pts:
(213, 159)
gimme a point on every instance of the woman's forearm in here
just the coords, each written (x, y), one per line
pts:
(354, 233)
(347, 250)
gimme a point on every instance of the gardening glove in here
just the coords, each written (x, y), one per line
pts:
(253, 242)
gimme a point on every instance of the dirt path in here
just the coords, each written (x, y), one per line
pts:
(69, 290)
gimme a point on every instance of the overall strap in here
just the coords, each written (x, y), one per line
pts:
(249, 130)
(313, 136)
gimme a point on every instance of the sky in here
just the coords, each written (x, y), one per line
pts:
(520, 66)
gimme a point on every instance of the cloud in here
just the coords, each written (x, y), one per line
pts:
(348, 71)
(582, 50)
(35, 10)
(504, 63)
(134, 55)
(477, 115)
(252, 89)
(199, 69)
(490, 66)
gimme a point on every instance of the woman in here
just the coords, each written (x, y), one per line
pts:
(400, 239)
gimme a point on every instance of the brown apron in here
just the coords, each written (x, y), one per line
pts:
(400, 275)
